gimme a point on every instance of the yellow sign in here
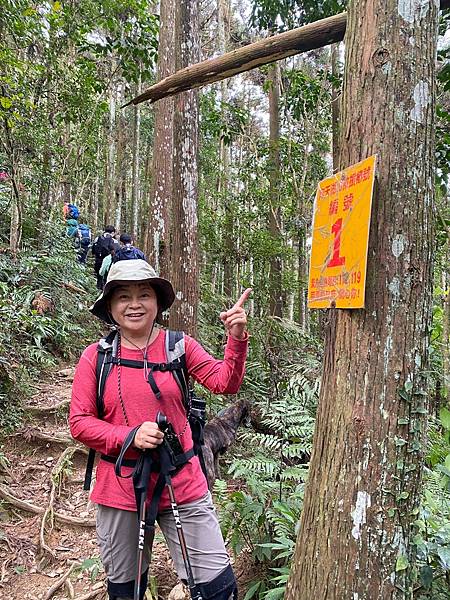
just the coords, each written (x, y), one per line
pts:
(337, 269)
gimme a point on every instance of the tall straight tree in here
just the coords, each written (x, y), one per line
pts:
(157, 244)
(276, 295)
(184, 259)
(135, 179)
(356, 526)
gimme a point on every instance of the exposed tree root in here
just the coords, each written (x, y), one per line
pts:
(27, 506)
(60, 582)
(56, 480)
(47, 409)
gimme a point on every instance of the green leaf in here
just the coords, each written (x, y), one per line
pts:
(403, 496)
(444, 555)
(426, 576)
(402, 563)
(252, 590)
(5, 102)
(444, 416)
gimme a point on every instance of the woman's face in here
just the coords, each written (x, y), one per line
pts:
(134, 307)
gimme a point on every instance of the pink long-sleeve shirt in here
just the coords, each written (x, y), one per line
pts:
(108, 434)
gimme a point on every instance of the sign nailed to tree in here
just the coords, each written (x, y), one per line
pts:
(337, 271)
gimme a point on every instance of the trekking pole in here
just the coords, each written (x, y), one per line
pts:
(141, 486)
(163, 424)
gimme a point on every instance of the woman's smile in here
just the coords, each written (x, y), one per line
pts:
(134, 307)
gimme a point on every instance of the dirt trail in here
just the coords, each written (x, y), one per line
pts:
(41, 467)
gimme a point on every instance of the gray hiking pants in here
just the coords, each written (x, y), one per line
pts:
(117, 535)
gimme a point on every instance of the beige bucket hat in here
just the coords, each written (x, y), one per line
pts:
(132, 271)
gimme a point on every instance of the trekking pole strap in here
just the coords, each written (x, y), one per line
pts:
(119, 462)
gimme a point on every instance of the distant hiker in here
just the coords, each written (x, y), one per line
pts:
(84, 236)
(71, 228)
(127, 251)
(102, 246)
(143, 423)
(106, 265)
(66, 209)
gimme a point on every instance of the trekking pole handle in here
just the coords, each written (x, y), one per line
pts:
(161, 420)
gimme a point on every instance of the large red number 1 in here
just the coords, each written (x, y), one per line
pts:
(336, 260)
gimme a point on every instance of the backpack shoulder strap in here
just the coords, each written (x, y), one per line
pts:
(195, 406)
(106, 352)
(176, 354)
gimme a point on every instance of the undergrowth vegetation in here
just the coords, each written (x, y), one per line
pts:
(260, 498)
(44, 294)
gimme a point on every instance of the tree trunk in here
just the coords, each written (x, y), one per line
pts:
(108, 202)
(335, 96)
(121, 163)
(446, 320)
(158, 244)
(276, 294)
(184, 260)
(223, 187)
(135, 179)
(363, 488)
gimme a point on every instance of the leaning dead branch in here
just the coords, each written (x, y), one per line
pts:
(37, 510)
(309, 37)
(315, 35)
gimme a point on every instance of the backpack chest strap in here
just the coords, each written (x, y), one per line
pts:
(152, 367)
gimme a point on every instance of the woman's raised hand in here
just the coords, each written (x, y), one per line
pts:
(235, 319)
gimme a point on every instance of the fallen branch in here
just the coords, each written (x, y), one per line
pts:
(37, 510)
(74, 288)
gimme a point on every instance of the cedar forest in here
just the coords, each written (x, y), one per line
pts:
(337, 483)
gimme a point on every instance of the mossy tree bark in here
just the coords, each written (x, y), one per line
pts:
(363, 490)
(157, 244)
(276, 275)
(184, 260)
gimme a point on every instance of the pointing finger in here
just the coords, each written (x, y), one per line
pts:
(243, 299)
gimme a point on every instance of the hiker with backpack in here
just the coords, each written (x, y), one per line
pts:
(103, 245)
(70, 211)
(130, 402)
(84, 237)
(127, 251)
(72, 228)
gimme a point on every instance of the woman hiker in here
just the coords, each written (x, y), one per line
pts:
(132, 300)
